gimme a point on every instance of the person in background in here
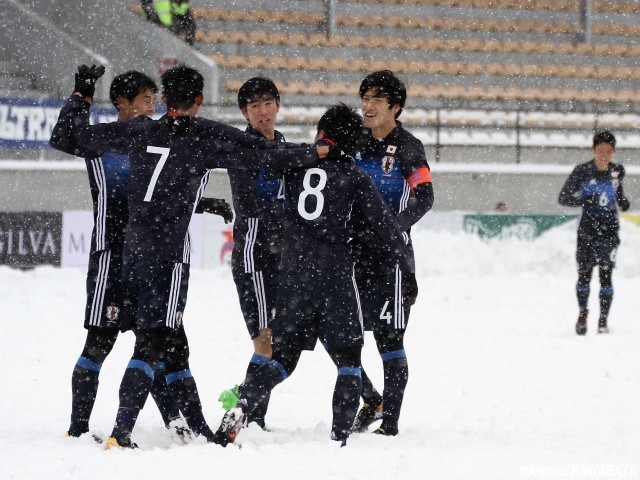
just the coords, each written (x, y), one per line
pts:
(596, 187)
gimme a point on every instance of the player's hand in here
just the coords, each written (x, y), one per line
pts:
(326, 148)
(409, 289)
(624, 204)
(591, 200)
(86, 79)
(216, 206)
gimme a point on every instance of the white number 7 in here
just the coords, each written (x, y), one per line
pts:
(164, 154)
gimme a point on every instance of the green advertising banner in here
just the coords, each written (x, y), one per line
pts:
(523, 227)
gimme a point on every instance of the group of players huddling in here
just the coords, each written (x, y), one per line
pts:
(322, 247)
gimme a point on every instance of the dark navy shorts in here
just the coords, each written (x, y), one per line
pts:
(594, 249)
(380, 284)
(317, 305)
(155, 294)
(257, 292)
(105, 296)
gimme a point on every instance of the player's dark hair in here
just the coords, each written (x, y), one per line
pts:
(129, 85)
(344, 126)
(255, 89)
(385, 84)
(181, 86)
(604, 136)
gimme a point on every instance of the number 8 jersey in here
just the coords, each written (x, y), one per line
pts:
(318, 205)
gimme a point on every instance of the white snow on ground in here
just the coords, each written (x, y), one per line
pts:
(500, 386)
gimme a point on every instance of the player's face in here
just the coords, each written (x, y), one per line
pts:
(143, 104)
(603, 154)
(261, 114)
(376, 111)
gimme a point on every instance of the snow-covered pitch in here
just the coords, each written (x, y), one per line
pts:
(500, 386)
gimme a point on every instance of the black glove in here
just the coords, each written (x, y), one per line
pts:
(591, 200)
(86, 79)
(624, 204)
(409, 289)
(217, 206)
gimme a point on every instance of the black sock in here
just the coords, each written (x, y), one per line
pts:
(134, 390)
(260, 410)
(582, 291)
(346, 399)
(369, 393)
(84, 387)
(162, 396)
(258, 386)
(606, 297)
(183, 388)
(396, 375)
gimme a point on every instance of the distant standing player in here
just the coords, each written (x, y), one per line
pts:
(396, 162)
(258, 198)
(132, 93)
(596, 186)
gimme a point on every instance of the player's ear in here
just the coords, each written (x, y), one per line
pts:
(199, 99)
(319, 135)
(245, 114)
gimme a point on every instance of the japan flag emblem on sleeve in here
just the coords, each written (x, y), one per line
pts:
(391, 149)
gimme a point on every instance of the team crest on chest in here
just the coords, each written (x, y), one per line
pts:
(387, 164)
(615, 181)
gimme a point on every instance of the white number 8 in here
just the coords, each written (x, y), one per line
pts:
(315, 191)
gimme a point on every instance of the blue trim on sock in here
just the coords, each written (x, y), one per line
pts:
(606, 290)
(391, 355)
(582, 288)
(84, 362)
(160, 366)
(259, 359)
(140, 365)
(175, 376)
(279, 366)
(354, 372)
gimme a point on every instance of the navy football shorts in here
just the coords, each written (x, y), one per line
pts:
(594, 249)
(105, 297)
(257, 292)
(155, 294)
(317, 305)
(380, 284)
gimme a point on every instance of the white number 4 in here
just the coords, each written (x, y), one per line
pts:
(164, 154)
(384, 314)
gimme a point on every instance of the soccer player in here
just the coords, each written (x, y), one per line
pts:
(596, 186)
(170, 162)
(132, 93)
(396, 162)
(317, 293)
(257, 199)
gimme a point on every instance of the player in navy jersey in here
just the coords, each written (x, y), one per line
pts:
(396, 162)
(596, 186)
(257, 198)
(171, 160)
(132, 93)
(317, 294)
